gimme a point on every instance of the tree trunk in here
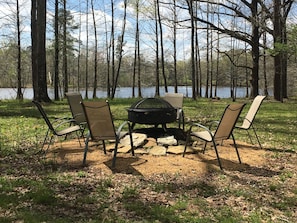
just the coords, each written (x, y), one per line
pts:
(112, 36)
(79, 49)
(19, 70)
(65, 56)
(193, 66)
(174, 47)
(38, 29)
(157, 92)
(278, 57)
(161, 46)
(255, 51)
(57, 51)
(87, 52)
(120, 56)
(136, 64)
(96, 53)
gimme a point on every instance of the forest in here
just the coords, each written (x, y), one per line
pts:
(90, 44)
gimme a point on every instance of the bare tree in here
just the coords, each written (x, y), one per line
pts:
(120, 50)
(157, 83)
(136, 63)
(38, 30)
(65, 62)
(14, 21)
(19, 70)
(280, 14)
(112, 51)
(161, 44)
(57, 51)
(87, 52)
(95, 52)
(193, 65)
(79, 49)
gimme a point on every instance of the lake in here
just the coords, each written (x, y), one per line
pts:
(126, 92)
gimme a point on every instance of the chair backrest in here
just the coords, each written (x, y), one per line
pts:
(228, 121)
(175, 99)
(99, 119)
(74, 99)
(44, 115)
(251, 114)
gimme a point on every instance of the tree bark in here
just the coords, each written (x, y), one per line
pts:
(65, 51)
(57, 51)
(38, 29)
(120, 50)
(157, 91)
(95, 52)
(161, 46)
(19, 70)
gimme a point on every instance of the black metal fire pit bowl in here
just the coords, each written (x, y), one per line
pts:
(151, 111)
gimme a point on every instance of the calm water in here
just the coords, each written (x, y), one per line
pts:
(126, 92)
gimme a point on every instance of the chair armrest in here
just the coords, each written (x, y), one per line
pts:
(55, 119)
(213, 123)
(199, 126)
(77, 115)
(119, 130)
(59, 122)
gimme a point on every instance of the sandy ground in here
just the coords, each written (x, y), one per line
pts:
(193, 164)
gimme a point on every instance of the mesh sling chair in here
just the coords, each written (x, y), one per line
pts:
(176, 100)
(250, 117)
(101, 127)
(74, 100)
(57, 127)
(222, 132)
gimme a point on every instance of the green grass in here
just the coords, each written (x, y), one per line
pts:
(34, 190)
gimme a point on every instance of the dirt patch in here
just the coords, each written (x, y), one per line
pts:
(193, 164)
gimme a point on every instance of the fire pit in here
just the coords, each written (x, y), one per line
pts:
(151, 111)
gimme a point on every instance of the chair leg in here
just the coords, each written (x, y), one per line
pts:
(257, 136)
(104, 146)
(49, 144)
(235, 145)
(216, 150)
(181, 120)
(249, 136)
(131, 140)
(45, 138)
(187, 141)
(115, 152)
(204, 148)
(86, 150)
(78, 138)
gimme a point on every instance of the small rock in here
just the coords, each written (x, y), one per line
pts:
(158, 151)
(138, 139)
(169, 141)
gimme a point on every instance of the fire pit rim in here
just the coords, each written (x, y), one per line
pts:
(152, 115)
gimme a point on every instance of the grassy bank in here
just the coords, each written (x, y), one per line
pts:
(34, 190)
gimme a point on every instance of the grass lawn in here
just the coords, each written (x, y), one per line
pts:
(36, 190)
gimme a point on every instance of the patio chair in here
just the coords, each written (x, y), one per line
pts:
(57, 127)
(176, 100)
(74, 99)
(101, 127)
(250, 117)
(222, 132)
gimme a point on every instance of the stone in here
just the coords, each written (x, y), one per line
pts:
(138, 139)
(177, 149)
(168, 141)
(150, 143)
(141, 151)
(158, 151)
(124, 149)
